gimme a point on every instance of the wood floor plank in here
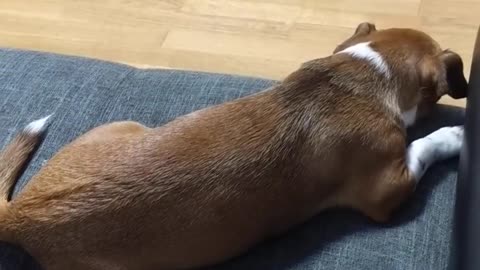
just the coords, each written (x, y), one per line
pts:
(266, 38)
(258, 10)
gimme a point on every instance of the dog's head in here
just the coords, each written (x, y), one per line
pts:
(412, 58)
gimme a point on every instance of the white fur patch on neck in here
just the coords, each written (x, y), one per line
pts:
(409, 116)
(364, 51)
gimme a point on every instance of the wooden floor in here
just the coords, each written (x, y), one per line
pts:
(262, 38)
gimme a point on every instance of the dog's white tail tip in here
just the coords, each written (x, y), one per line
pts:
(37, 126)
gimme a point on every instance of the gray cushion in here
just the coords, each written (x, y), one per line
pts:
(84, 93)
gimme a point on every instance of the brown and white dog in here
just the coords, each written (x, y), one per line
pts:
(209, 185)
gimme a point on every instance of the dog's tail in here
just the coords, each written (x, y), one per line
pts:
(16, 155)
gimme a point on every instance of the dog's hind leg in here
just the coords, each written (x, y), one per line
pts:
(112, 130)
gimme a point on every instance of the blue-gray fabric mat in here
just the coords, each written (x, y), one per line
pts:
(84, 93)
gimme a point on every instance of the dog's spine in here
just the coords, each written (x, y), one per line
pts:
(16, 155)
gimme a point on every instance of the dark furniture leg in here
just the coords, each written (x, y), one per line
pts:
(466, 230)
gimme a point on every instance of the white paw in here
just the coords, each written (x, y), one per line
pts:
(447, 141)
(439, 145)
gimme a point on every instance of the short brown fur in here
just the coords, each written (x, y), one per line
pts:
(209, 185)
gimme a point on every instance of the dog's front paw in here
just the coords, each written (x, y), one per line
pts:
(447, 141)
(439, 145)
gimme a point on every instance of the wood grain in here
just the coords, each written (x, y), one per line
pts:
(260, 38)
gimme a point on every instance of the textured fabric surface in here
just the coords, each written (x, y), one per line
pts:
(85, 93)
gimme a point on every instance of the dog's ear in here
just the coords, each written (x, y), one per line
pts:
(365, 28)
(362, 30)
(443, 74)
(453, 80)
